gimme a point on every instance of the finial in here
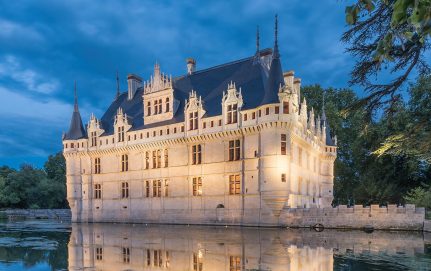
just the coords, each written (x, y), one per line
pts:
(257, 41)
(276, 54)
(118, 86)
(323, 107)
(75, 106)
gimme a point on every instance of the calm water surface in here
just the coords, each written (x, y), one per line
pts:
(50, 245)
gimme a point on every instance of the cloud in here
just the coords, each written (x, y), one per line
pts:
(30, 79)
(13, 30)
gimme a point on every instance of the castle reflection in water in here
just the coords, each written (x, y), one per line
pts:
(144, 247)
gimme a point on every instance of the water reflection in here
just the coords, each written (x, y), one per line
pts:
(140, 247)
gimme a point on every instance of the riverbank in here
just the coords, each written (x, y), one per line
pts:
(60, 214)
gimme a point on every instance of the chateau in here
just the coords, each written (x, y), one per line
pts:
(232, 144)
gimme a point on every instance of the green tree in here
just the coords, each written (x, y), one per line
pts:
(387, 36)
(420, 196)
(55, 168)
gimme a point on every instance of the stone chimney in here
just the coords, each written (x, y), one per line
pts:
(191, 65)
(133, 83)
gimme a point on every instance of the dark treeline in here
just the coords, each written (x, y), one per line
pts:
(30, 187)
(363, 173)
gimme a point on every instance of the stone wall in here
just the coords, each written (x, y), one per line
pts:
(63, 214)
(389, 218)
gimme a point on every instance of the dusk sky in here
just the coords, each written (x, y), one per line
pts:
(46, 45)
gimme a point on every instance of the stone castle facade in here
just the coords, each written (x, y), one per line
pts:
(232, 144)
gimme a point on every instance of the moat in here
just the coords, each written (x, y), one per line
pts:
(51, 245)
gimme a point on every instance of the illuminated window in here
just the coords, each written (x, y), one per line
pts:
(126, 255)
(234, 185)
(285, 107)
(166, 156)
(193, 120)
(234, 263)
(97, 191)
(124, 190)
(99, 253)
(157, 188)
(97, 165)
(124, 162)
(232, 113)
(197, 186)
(147, 189)
(196, 154)
(283, 144)
(198, 264)
(147, 160)
(121, 134)
(234, 150)
(93, 139)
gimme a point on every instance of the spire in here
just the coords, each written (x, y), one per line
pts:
(76, 128)
(325, 123)
(257, 41)
(118, 87)
(75, 105)
(276, 53)
(323, 108)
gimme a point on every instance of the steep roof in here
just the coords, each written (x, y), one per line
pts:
(76, 129)
(248, 74)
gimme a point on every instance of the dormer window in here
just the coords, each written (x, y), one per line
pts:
(193, 120)
(232, 113)
(149, 109)
(93, 139)
(121, 134)
(285, 107)
(160, 106)
(156, 107)
(167, 105)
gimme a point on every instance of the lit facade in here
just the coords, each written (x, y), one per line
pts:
(232, 144)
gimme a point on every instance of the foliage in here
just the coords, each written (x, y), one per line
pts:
(414, 137)
(362, 177)
(420, 196)
(34, 188)
(387, 36)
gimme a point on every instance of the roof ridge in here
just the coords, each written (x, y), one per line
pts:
(223, 65)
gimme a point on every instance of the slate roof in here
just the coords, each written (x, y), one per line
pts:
(249, 75)
(76, 129)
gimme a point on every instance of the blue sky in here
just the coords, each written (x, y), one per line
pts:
(46, 45)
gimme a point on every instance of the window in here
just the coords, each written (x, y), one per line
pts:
(283, 144)
(197, 186)
(147, 160)
(149, 109)
(175, 130)
(300, 189)
(97, 191)
(124, 190)
(212, 123)
(277, 109)
(245, 117)
(97, 165)
(159, 158)
(99, 253)
(193, 120)
(156, 107)
(234, 263)
(166, 160)
(283, 177)
(154, 159)
(157, 188)
(196, 154)
(147, 189)
(124, 162)
(234, 185)
(260, 113)
(148, 257)
(93, 139)
(126, 255)
(253, 115)
(205, 125)
(267, 111)
(285, 107)
(160, 106)
(234, 150)
(167, 105)
(121, 134)
(157, 258)
(197, 262)
(166, 188)
(219, 123)
(182, 128)
(232, 114)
